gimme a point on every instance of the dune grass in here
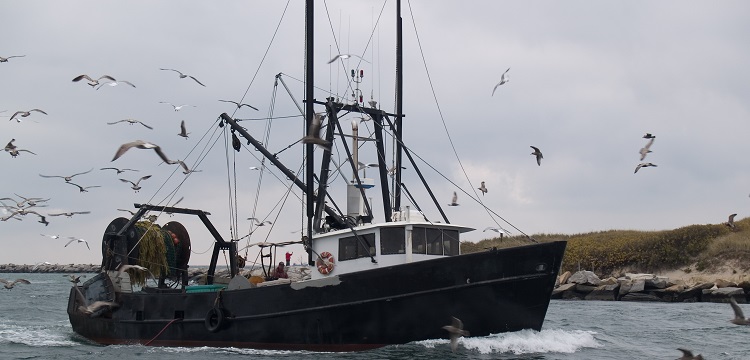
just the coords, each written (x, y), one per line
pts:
(608, 251)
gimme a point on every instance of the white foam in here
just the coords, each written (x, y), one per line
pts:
(35, 335)
(526, 342)
(225, 350)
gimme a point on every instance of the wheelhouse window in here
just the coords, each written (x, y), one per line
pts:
(433, 241)
(392, 240)
(350, 248)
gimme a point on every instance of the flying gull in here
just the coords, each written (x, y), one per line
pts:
(454, 200)
(91, 81)
(185, 169)
(51, 236)
(183, 130)
(503, 79)
(648, 136)
(260, 223)
(176, 107)
(495, 229)
(95, 306)
(455, 330)
(140, 144)
(66, 178)
(70, 213)
(239, 105)
(78, 240)
(25, 114)
(730, 221)
(482, 188)
(313, 133)
(182, 76)
(346, 56)
(74, 279)
(5, 59)
(643, 165)
(119, 171)
(130, 211)
(115, 83)
(131, 122)
(739, 317)
(645, 150)
(37, 265)
(538, 155)
(16, 152)
(83, 188)
(135, 186)
(9, 284)
(688, 355)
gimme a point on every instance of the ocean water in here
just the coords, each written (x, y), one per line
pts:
(34, 325)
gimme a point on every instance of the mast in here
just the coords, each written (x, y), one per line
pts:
(399, 107)
(309, 113)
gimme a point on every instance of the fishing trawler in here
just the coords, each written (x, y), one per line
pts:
(373, 282)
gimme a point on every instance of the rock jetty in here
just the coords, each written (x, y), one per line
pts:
(50, 268)
(585, 285)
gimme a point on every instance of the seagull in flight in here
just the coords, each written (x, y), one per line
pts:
(503, 79)
(74, 279)
(5, 59)
(182, 76)
(10, 284)
(135, 186)
(115, 83)
(37, 265)
(70, 214)
(96, 305)
(454, 200)
(538, 155)
(51, 236)
(730, 221)
(92, 82)
(83, 188)
(66, 178)
(643, 165)
(176, 107)
(313, 133)
(739, 317)
(140, 144)
(495, 229)
(645, 150)
(185, 169)
(130, 211)
(688, 355)
(260, 223)
(346, 56)
(119, 171)
(648, 136)
(455, 330)
(77, 240)
(183, 131)
(24, 114)
(482, 188)
(131, 122)
(240, 105)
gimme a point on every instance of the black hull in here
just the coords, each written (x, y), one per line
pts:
(491, 292)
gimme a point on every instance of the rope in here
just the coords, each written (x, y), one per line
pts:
(162, 330)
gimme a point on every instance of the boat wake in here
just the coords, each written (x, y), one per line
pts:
(37, 335)
(526, 342)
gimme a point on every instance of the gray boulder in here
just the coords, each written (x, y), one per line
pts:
(585, 277)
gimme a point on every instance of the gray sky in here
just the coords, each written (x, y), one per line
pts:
(588, 79)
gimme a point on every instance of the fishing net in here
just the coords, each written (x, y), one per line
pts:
(156, 252)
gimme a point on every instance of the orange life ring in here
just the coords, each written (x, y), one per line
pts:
(325, 263)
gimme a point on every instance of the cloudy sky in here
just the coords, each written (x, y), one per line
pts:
(588, 80)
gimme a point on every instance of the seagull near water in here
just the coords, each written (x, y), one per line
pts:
(135, 186)
(182, 76)
(455, 330)
(140, 144)
(131, 122)
(688, 355)
(66, 178)
(239, 105)
(5, 59)
(538, 155)
(503, 79)
(74, 279)
(739, 317)
(10, 284)
(92, 82)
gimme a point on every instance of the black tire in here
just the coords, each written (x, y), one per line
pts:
(215, 319)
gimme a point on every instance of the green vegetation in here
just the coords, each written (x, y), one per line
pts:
(642, 251)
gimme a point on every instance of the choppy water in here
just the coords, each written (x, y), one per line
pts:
(34, 325)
